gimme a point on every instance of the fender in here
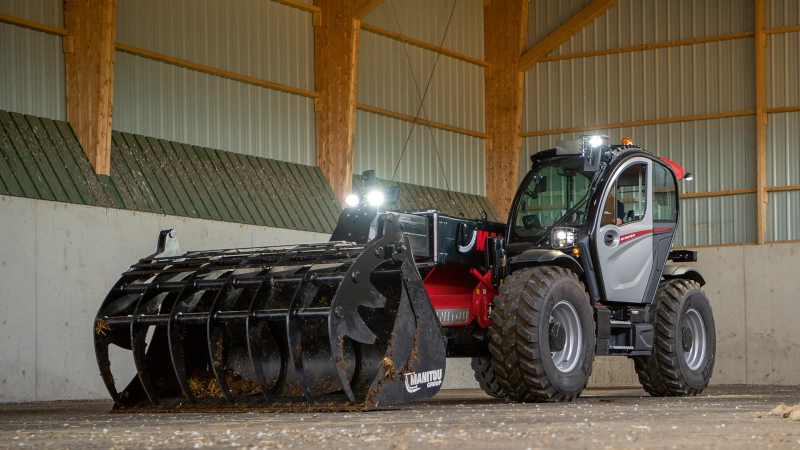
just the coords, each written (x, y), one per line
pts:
(542, 257)
(682, 271)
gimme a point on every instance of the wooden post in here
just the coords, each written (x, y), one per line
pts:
(761, 123)
(336, 43)
(92, 25)
(504, 29)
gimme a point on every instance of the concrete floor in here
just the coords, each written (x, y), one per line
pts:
(619, 418)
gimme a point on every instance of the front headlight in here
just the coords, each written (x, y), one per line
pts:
(563, 237)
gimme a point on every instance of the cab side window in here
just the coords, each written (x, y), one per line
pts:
(627, 199)
(665, 196)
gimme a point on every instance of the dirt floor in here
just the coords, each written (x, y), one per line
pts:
(620, 418)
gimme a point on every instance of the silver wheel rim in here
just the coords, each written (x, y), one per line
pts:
(696, 355)
(566, 359)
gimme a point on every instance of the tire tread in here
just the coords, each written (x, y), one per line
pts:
(660, 374)
(516, 360)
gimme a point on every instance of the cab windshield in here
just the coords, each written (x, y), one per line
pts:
(557, 190)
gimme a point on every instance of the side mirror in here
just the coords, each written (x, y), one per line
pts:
(541, 186)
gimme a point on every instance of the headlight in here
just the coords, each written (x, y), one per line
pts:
(563, 237)
(596, 141)
(352, 200)
(375, 198)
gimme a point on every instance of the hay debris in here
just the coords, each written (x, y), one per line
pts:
(388, 368)
(207, 386)
(101, 326)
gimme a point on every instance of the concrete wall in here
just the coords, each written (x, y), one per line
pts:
(57, 263)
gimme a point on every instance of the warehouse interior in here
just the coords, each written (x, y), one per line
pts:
(246, 123)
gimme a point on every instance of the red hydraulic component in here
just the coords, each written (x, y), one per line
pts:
(455, 296)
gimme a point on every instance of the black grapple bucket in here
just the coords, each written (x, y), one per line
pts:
(329, 326)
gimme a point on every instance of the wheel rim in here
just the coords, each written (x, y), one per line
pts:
(567, 316)
(693, 328)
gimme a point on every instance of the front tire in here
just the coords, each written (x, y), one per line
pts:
(542, 335)
(685, 341)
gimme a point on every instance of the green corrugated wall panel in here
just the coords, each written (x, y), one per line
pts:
(413, 196)
(42, 159)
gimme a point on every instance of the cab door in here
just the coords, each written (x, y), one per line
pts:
(623, 236)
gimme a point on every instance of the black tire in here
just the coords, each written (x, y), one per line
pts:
(673, 369)
(520, 336)
(484, 375)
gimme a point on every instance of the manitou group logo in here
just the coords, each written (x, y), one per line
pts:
(431, 378)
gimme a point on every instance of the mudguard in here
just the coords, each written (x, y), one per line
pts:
(541, 256)
(683, 271)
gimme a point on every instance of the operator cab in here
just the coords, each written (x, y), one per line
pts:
(610, 207)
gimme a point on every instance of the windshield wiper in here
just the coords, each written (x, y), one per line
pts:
(582, 202)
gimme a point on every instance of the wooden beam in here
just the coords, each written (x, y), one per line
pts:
(504, 29)
(408, 118)
(761, 122)
(25, 23)
(790, 241)
(794, 187)
(568, 29)
(637, 123)
(783, 30)
(214, 71)
(90, 76)
(782, 109)
(747, 112)
(364, 7)
(637, 48)
(718, 193)
(300, 5)
(417, 43)
(336, 44)
(714, 245)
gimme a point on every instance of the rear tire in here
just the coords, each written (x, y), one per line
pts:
(685, 341)
(531, 361)
(484, 375)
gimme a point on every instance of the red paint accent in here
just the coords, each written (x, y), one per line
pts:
(660, 230)
(452, 287)
(480, 245)
(629, 237)
(679, 172)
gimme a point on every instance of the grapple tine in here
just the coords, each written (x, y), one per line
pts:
(295, 340)
(149, 303)
(175, 337)
(188, 301)
(104, 363)
(104, 336)
(255, 330)
(262, 300)
(215, 339)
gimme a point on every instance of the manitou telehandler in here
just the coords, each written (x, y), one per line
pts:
(367, 320)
